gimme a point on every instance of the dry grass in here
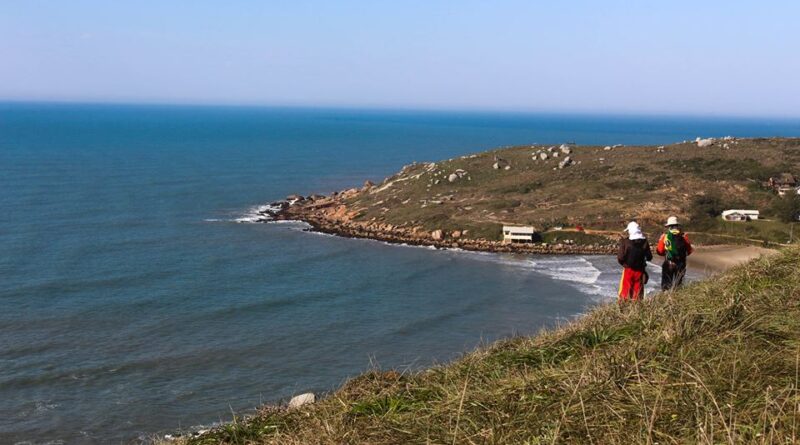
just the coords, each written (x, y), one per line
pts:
(604, 191)
(716, 362)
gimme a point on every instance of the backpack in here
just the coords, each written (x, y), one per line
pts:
(675, 246)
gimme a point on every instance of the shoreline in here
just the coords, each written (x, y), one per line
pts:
(330, 215)
(707, 260)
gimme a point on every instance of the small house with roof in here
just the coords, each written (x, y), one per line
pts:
(518, 234)
(783, 184)
(740, 215)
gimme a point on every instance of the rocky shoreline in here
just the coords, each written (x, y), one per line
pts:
(331, 215)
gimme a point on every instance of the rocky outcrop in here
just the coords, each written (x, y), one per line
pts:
(332, 215)
(501, 164)
(704, 142)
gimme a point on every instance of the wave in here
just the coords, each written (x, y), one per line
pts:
(258, 214)
(577, 269)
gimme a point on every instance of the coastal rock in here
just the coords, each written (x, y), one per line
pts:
(500, 163)
(294, 198)
(543, 156)
(456, 234)
(704, 142)
(566, 149)
(368, 185)
(453, 177)
(302, 399)
(437, 235)
(349, 193)
(607, 148)
(566, 162)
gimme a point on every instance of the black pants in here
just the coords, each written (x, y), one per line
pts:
(672, 274)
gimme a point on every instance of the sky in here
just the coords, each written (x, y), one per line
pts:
(730, 58)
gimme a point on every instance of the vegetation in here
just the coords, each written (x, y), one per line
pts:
(787, 209)
(715, 362)
(602, 190)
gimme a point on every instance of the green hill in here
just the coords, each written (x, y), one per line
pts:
(599, 188)
(715, 362)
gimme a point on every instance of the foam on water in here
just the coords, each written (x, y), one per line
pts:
(258, 214)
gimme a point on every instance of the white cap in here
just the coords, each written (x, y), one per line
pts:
(634, 231)
(672, 221)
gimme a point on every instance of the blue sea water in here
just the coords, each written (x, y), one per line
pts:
(133, 303)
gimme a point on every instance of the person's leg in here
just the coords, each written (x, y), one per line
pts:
(625, 285)
(638, 285)
(666, 276)
(680, 272)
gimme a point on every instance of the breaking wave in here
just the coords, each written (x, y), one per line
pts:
(258, 214)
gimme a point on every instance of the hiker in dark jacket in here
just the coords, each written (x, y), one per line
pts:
(633, 255)
(674, 246)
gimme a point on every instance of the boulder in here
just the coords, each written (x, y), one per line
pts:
(566, 162)
(543, 156)
(456, 234)
(607, 148)
(500, 163)
(302, 399)
(566, 149)
(704, 142)
(453, 177)
(437, 235)
(294, 198)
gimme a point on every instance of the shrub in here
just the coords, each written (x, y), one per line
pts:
(787, 209)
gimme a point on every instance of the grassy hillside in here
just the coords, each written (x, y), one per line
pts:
(716, 362)
(602, 189)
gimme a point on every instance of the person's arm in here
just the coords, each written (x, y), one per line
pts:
(648, 254)
(689, 248)
(621, 252)
(660, 249)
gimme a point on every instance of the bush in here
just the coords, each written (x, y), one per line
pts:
(787, 209)
(705, 208)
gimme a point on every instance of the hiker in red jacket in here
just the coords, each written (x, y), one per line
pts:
(675, 247)
(633, 255)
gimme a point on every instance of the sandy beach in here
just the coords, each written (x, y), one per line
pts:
(713, 259)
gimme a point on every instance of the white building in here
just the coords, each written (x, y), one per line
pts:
(518, 234)
(740, 215)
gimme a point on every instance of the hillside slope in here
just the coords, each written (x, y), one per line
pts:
(601, 188)
(715, 362)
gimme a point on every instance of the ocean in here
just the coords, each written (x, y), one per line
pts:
(135, 301)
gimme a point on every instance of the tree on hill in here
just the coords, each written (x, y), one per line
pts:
(787, 209)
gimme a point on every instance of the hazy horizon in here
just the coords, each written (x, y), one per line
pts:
(718, 59)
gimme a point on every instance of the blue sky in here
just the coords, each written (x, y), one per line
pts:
(676, 57)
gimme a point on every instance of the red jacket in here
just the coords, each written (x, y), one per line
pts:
(660, 249)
